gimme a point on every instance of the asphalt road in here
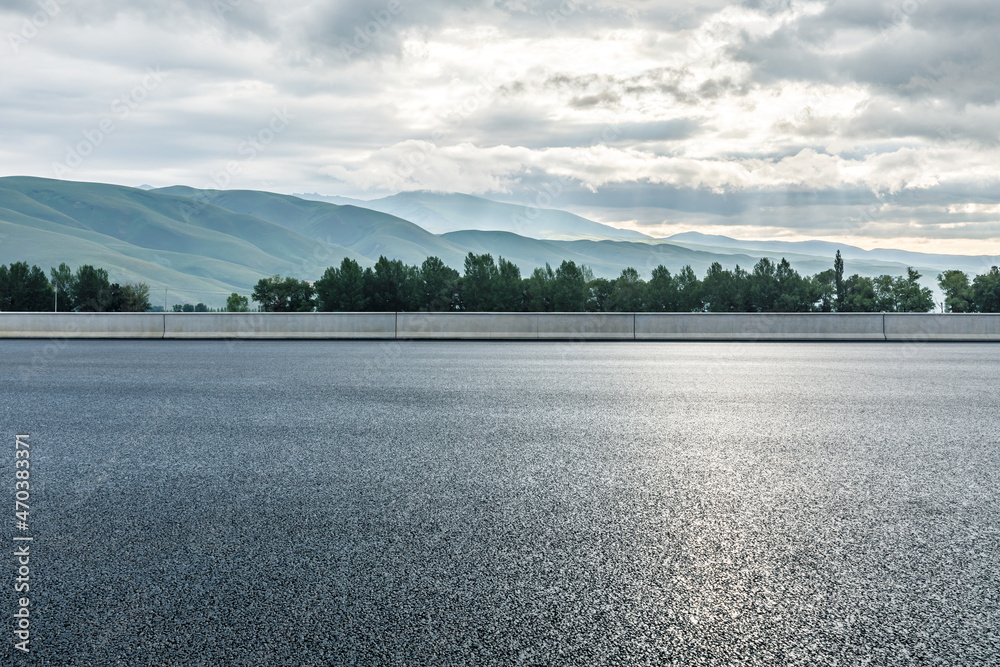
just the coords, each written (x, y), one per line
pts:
(309, 503)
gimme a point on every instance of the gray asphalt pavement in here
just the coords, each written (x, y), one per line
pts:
(310, 503)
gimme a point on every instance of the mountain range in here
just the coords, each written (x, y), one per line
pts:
(194, 245)
(440, 213)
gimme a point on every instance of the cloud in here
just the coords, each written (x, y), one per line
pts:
(916, 48)
(417, 165)
(728, 113)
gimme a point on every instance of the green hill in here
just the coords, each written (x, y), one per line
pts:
(366, 232)
(201, 252)
(201, 245)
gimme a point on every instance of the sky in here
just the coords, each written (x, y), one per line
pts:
(854, 121)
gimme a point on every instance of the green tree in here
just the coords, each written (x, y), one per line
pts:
(62, 283)
(689, 291)
(91, 290)
(626, 292)
(438, 285)
(793, 290)
(508, 292)
(840, 289)
(910, 296)
(886, 300)
(267, 292)
(284, 295)
(328, 291)
(25, 289)
(540, 290)
(569, 288)
(113, 302)
(721, 289)
(860, 296)
(134, 298)
(598, 295)
(958, 296)
(393, 286)
(368, 289)
(741, 280)
(352, 287)
(477, 286)
(661, 292)
(237, 303)
(986, 291)
(762, 288)
(342, 289)
(823, 287)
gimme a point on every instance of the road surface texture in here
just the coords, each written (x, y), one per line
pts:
(310, 503)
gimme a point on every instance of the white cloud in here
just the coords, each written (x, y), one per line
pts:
(423, 165)
(496, 96)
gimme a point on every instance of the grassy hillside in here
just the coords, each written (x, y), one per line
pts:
(160, 239)
(366, 232)
(203, 245)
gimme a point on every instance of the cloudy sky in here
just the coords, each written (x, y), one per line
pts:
(851, 120)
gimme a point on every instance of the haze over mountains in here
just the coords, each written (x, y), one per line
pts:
(440, 213)
(201, 245)
(974, 263)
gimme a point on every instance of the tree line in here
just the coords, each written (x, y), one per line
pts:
(488, 285)
(88, 289)
(498, 286)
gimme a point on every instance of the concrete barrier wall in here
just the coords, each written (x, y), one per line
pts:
(279, 325)
(586, 326)
(509, 326)
(81, 325)
(920, 327)
(759, 326)
(474, 326)
(516, 326)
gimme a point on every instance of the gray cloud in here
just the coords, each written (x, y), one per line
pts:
(681, 85)
(916, 48)
(756, 114)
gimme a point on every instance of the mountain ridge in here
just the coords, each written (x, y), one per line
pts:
(440, 213)
(202, 245)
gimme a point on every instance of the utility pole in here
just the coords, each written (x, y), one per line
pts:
(165, 299)
(57, 299)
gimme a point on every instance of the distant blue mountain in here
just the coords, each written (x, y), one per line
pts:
(713, 243)
(448, 212)
(201, 245)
